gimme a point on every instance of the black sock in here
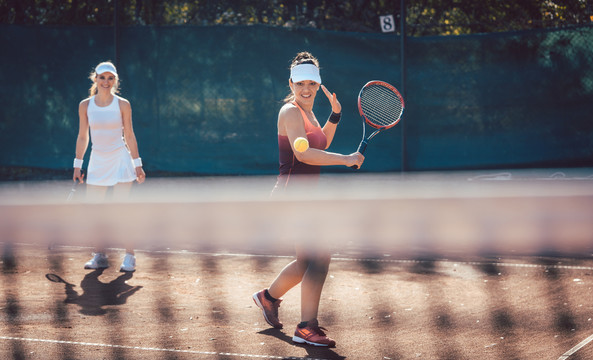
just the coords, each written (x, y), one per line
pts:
(302, 324)
(269, 297)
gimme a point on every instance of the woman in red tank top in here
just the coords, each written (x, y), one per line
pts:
(296, 119)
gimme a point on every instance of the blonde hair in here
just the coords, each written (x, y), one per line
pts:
(93, 77)
(304, 57)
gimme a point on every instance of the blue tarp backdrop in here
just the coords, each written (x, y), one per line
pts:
(205, 99)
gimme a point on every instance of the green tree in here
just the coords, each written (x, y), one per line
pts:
(424, 17)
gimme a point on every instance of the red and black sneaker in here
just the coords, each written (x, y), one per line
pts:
(269, 309)
(312, 334)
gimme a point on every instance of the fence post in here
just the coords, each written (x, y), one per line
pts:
(403, 79)
(116, 33)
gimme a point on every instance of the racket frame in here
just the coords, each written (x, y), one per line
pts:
(363, 144)
(55, 278)
(73, 189)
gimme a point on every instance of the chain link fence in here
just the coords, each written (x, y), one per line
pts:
(205, 98)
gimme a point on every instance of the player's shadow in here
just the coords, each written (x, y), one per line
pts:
(96, 294)
(312, 351)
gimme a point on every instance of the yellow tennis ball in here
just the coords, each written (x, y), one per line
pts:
(301, 144)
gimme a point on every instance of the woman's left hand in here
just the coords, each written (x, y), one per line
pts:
(333, 99)
(140, 175)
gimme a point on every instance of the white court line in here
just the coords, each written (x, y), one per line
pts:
(196, 352)
(578, 347)
(472, 263)
(394, 261)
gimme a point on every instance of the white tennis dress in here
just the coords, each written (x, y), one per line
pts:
(110, 162)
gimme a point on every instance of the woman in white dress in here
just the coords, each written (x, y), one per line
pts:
(114, 160)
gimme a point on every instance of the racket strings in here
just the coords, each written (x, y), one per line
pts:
(380, 105)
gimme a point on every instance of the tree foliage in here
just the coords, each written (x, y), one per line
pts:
(424, 17)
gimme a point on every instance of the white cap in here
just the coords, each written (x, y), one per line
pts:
(305, 72)
(105, 67)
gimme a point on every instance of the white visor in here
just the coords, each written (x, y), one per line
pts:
(105, 68)
(305, 72)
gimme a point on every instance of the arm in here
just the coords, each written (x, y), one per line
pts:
(130, 137)
(290, 123)
(329, 129)
(82, 141)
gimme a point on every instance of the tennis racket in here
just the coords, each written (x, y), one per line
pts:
(381, 107)
(73, 189)
(56, 278)
(75, 183)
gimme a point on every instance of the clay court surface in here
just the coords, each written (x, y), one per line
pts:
(463, 266)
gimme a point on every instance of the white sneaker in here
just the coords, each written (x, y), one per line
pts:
(99, 261)
(129, 263)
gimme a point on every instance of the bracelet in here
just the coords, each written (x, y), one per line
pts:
(137, 162)
(335, 118)
(78, 163)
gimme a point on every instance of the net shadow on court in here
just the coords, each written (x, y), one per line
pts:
(413, 272)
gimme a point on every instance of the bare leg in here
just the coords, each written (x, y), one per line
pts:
(289, 277)
(311, 268)
(96, 194)
(312, 284)
(121, 193)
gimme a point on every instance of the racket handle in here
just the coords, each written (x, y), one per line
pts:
(361, 148)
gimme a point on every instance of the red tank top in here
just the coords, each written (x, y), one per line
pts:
(289, 164)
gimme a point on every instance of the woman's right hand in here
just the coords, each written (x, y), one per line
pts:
(78, 175)
(354, 159)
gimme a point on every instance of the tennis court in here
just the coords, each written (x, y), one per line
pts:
(431, 260)
(457, 265)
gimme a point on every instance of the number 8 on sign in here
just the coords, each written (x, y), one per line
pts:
(387, 23)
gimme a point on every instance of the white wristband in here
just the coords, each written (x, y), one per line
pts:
(137, 162)
(78, 163)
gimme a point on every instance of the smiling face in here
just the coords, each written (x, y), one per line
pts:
(106, 82)
(304, 91)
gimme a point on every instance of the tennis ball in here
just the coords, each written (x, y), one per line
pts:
(301, 144)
